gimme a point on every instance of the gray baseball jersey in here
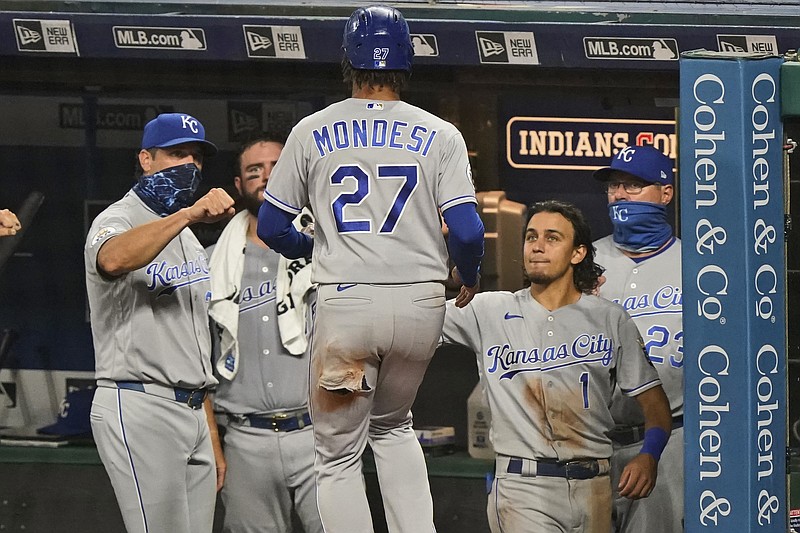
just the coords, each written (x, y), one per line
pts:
(150, 325)
(374, 173)
(269, 379)
(650, 290)
(270, 473)
(549, 375)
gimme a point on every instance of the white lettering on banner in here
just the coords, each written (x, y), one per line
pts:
(711, 307)
(705, 138)
(711, 235)
(765, 285)
(760, 122)
(767, 364)
(710, 389)
(764, 289)
(768, 505)
(763, 235)
(709, 509)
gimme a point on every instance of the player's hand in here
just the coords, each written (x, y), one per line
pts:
(465, 294)
(638, 479)
(600, 280)
(9, 223)
(219, 459)
(222, 468)
(215, 205)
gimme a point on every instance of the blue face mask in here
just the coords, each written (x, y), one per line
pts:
(639, 226)
(170, 190)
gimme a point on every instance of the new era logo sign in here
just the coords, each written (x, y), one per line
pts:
(513, 47)
(491, 47)
(282, 42)
(28, 36)
(244, 118)
(257, 42)
(766, 44)
(425, 45)
(56, 36)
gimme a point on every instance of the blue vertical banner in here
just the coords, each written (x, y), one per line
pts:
(731, 187)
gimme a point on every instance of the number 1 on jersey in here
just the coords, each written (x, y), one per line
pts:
(584, 379)
(410, 176)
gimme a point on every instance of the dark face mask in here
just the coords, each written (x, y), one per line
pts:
(170, 190)
(639, 226)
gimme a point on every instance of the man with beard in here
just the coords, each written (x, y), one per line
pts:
(260, 312)
(147, 280)
(549, 358)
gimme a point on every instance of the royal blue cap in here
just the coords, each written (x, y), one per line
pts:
(169, 129)
(644, 162)
(73, 419)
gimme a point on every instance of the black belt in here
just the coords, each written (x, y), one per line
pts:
(277, 422)
(194, 398)
(627, 435)
(580, 469)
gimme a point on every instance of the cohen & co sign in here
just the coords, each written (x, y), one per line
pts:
(557, 143)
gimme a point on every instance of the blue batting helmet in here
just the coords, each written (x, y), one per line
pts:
(377, 38)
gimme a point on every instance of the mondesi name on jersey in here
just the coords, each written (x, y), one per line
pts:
(585, 348)
(373, 133)
(165, 275)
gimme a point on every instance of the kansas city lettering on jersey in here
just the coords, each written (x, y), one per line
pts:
(169, 276)
(265, 288)
(254, 296)
(584, 349)
(667, 299)
(373, 133)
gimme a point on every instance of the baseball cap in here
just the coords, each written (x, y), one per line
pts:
(73, 417)
(644, 162)
(169, 129)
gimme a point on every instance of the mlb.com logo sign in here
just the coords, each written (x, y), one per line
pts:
(510, 47)
(283, 42)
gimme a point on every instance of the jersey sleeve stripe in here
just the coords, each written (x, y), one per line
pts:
(641, 388)
(458, 200)
(281, 205)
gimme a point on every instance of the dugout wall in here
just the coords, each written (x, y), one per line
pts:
(542, 95)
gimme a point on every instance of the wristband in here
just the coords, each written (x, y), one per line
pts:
(655, 439)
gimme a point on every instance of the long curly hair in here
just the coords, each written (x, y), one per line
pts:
(586, 273)
(397, 80)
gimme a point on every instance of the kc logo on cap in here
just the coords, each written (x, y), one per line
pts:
(169, 129)
(644, 162)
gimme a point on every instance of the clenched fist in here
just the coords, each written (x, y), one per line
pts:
(9, 223)
(215, 205)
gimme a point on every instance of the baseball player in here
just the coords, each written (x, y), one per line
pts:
(374, 170)
(147, 279)
(642, 259)
(9, 223)
(263, 389)
(549, 357)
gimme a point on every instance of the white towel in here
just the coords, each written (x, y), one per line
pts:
(227, 266)
(293, 289)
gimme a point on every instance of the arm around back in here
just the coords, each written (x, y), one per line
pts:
(466, 240)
